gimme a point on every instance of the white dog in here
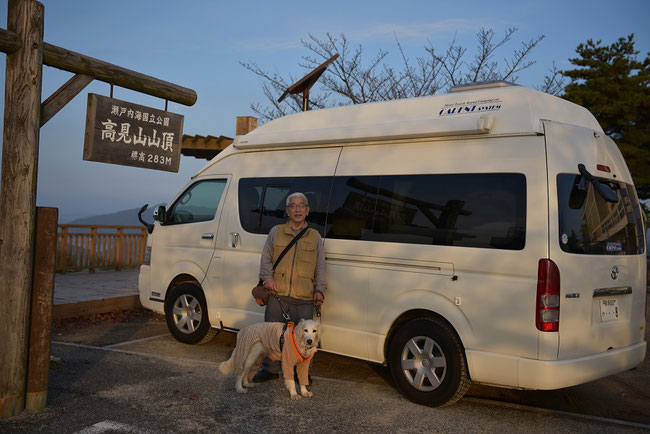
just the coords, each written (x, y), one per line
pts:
(263, 340)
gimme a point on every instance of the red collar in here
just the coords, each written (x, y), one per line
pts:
(294, 345)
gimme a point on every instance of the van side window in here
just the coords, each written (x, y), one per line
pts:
(198, 203)
(273, 204)
(262, 201)
(351, 208)
(469, 210)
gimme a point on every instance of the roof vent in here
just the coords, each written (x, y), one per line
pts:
(481, 85)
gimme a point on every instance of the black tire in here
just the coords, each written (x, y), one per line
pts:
(427, 362)
(187, 314)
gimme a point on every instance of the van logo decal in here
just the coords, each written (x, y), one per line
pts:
(615, 272)
(477, 106)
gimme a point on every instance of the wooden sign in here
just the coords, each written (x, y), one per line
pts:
(119, 132)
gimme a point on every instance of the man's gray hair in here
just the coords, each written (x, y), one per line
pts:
(297, 194)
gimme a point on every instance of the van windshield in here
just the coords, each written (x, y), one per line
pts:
(590, 225)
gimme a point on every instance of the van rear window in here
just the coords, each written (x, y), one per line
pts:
(590, 225)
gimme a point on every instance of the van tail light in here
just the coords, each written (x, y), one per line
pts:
(603, 168)
(547, 309)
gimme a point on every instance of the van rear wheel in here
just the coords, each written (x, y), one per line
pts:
(427, 362)
(186, 313)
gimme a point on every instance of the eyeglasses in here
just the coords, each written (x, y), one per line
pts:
(293, 206)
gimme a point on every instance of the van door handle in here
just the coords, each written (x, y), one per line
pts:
(208, 236)
(235, 239)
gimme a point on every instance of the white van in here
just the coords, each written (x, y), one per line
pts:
(492, 234)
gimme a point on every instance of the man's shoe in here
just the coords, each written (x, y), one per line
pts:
(263, 375)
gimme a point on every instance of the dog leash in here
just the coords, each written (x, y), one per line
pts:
(285, 314)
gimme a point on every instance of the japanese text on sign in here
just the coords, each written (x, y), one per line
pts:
(120, 132)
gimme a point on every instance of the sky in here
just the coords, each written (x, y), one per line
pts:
(199, 44)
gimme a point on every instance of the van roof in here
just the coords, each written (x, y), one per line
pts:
(492, 110)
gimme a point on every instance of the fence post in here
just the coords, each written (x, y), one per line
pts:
(93, 249)
(120, 247)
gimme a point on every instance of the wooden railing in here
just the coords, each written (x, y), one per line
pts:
(99, 247)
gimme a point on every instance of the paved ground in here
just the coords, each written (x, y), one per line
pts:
(113, 351)
(85, 286)
(132, 377)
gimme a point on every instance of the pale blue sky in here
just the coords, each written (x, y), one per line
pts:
(198, 44)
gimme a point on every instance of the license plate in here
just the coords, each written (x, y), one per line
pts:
(608, 309)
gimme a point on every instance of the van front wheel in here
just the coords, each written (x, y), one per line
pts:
(427, 362)
(186, 313)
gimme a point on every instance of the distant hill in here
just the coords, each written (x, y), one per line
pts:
(128, 217)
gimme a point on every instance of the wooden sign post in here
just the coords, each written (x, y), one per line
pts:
(18, 198)
(23, 117)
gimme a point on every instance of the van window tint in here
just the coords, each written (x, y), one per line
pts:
(469, 210)
(262, 201)
(351, 208)
(198, 203)
(590, 225)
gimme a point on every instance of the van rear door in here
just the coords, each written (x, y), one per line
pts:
(597, 244)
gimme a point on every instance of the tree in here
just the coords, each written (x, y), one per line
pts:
(351, 81)
(615, 86)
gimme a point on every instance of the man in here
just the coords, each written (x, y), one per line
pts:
(299, 278)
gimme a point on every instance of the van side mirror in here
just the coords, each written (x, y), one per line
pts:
(160, 214)
(149, 226)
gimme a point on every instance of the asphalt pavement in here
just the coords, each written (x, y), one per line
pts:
(132, 376)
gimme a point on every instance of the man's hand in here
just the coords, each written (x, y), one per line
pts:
(318, 298)
(270, 285)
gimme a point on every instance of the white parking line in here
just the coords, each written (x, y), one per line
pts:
(136, 353)
(110, 426)
(135, 340)
(542, 410)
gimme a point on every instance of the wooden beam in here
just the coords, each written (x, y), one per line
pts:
(63, 95)
(204, 147)
(18, 198)
(81, 64)
(67, 60)
(9, 42)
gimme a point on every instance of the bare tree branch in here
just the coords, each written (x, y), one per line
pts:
(350, 79)
(553, 82)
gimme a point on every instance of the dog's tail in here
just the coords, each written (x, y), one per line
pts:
(227, 367)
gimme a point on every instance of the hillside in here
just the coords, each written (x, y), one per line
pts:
(127, 217)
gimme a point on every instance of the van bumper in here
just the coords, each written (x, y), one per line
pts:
(145, 290)
(548, 375)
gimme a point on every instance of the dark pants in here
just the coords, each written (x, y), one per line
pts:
(297, 310)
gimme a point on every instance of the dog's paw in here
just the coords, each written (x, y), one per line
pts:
(295, 397)
(307, 393)
(242, 390)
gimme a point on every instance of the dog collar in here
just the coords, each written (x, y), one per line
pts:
(294, 345)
